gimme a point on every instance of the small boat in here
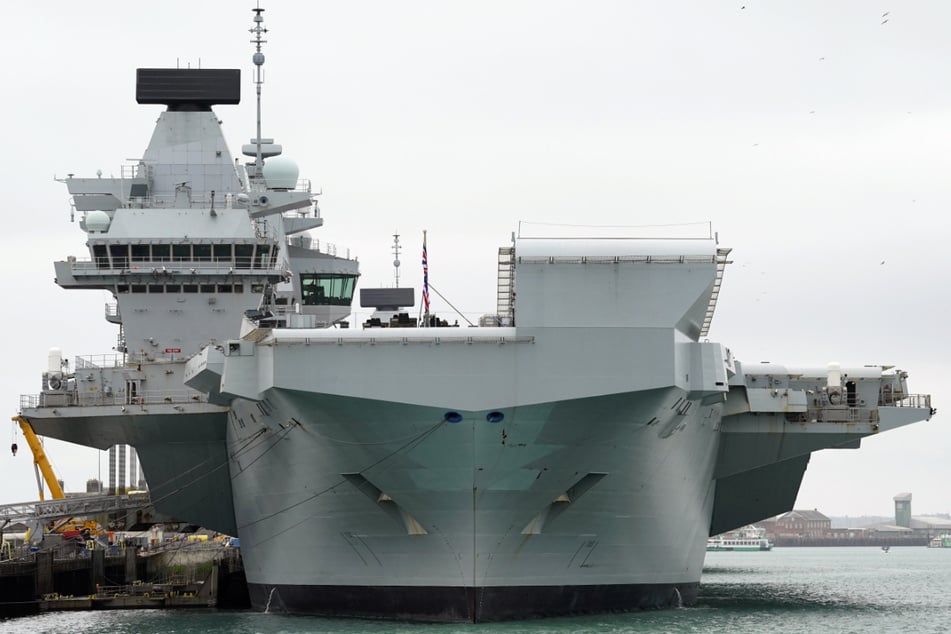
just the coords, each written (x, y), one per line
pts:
(750, 538)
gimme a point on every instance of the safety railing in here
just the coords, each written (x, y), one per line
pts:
(908, 400)
(99, 361)
(98, 399)
(313, 244)
(836, 415)
(172, 266)
(839, 414)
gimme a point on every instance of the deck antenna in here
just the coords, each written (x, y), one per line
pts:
(396, 259)
(258, 58)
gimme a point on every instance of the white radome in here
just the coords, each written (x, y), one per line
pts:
(97, 221)
(281, 173)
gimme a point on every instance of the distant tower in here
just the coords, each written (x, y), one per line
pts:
(118, 484)
(903, 510)
(112, 470)
(133, 468)
(120, 487)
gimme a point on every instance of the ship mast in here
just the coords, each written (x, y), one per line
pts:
(258, 58)
(396, 259)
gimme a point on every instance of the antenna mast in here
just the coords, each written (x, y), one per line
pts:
(396, 259)
(258, 58)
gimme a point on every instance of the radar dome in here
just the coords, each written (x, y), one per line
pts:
(97, 221)
(281, 173)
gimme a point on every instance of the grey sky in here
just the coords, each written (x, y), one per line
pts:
(815, 139)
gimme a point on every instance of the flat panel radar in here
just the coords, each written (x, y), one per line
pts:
(386, 297)
(189, 89)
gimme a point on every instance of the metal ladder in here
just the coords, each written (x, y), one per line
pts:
(717, 281)
(505, 307)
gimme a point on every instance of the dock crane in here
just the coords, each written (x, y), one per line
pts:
(41, 463)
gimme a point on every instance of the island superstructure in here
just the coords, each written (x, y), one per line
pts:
(572, 453)
(186, 239)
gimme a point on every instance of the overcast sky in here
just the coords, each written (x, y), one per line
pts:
(814, 136)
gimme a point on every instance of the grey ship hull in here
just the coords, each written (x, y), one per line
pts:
(574, 463)
(456, 521)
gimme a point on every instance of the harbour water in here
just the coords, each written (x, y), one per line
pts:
(847, 590)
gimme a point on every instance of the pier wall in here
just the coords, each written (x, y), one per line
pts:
(879, 541)
(25, 581)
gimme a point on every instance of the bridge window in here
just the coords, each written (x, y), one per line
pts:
(202, 252)
(243, 254)
(120, 255)
(140, 252)
(102, 259)
(221, 252)
(322, 289)
(264, 255)
(160, 252)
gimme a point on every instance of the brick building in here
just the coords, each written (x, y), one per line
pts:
(802, 524)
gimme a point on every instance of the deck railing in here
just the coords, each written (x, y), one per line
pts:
(96, 399)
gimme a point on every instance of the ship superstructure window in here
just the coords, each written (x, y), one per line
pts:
(101, 256)
(160, 252)
(179, 288)
(221, 252)
(238, 255)
(319, 289)
(243, 254)
(140, 252)
(202, 252)
(120, 255)
(264, 255)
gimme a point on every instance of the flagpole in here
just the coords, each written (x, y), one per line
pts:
(425, 282)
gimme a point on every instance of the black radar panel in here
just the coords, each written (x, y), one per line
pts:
(188, 88)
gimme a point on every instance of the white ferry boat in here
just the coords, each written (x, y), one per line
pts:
(750, 538)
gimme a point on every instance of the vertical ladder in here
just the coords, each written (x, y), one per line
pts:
(717, 281)
(120, 341)
(505, 307)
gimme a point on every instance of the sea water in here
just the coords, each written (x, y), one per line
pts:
(791, 590)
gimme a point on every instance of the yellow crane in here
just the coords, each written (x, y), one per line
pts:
(41, 463)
